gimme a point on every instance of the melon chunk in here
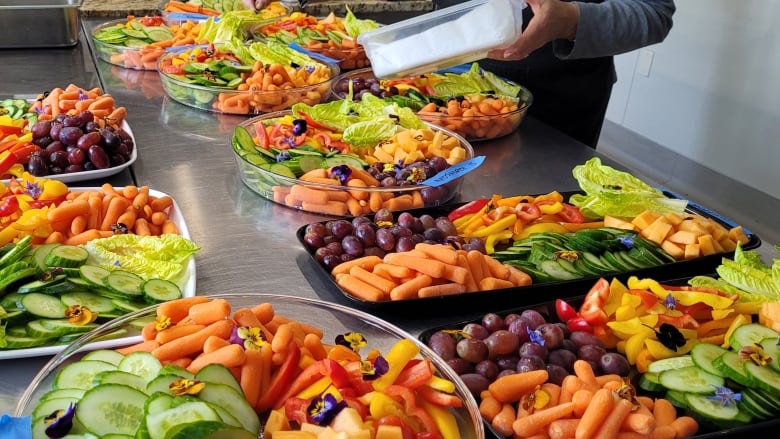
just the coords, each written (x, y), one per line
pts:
(611, 221)
(673, 249)
(389, 432)
(644, 219)
(683, 237)
(692, 251)
(737, 234)
(657, 231)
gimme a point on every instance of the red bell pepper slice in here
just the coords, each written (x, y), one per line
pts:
(296, 409)
(649, 299)
(406, 431)
(151, 21)
(564, 310)
(24, 153)
(7, 160)
(468, 208)
(527, 212)
(9, 206)
(578, 324)
(311, 123)
(7, 130)
(357, 383)
(281, 380)
(261, 133)
(592, 309)
(173, 70)
(571, 214)
(411, 408)
(325, 367)
(417, 373)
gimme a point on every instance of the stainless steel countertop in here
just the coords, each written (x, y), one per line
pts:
(248, 243)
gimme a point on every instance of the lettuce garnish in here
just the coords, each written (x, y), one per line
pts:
(749, 273)
(617, 193)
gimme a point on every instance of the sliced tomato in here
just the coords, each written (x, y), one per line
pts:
(592, 309)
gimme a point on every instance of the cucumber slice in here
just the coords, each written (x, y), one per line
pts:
(66, 256)
(121, 377)
(49, 406)
(161, 383)
(771, 348)
(754, 407)
(218, 374)
(62, 393)
(677, 399)
(749, 334)
(221, 395)
(11, 301)
(159, 423)
(94, 274)
(690, 379)
(44, 305)
(92, 301)
(40, 253)
(24, 342)
(711, 409)
(703, 354)
(143, 364)
(80, 375)
(124, 282)
(111, 409)
(763, 378)
(48, 286)
(207, 429)
(664, 364)
(160, 290)
(124, 305)
(730, 366)
(555, 271)
(36, 329)
(649, 381)
(107, 355)
(764, 399)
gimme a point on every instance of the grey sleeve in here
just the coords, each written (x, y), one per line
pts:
(617, 26)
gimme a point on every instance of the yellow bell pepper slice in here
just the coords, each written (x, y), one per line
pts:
(551, 209)
(659, 351)
(495, 238)
(397, 358)
(616, 291)
(498, 226)
(738, 321)
(444, 419)
(542, 228)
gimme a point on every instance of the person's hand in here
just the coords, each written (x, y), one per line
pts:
(552, 20)
(256, 5)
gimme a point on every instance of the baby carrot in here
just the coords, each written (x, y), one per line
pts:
(685, 427)
(116, 206)
(193, 343)
(169, 227)
(502, 421)
(232, 355)
(251, 374)
(553, 391)
(562, 428)
(519, 277)
(161, 203)
(149, 331)
(213, 343)
(489, 406)
(664, 412)
(88, 235)
(365, 262)
(441, 290)
(411, 288)
(537, 421)
(601, 404)
(513, 387)
(140, 200)
(359, 289)
(432, 268)
(208, 312)
(581, 399)
(611, 424)
(177, 309)
(441, 252)
(282, 338)
(66, 211)
(494, 283)
(174, 332)
(264, 312)
(372, 279)
(182, 362)
(663, 432)
(584, 372)
(313, 343)
(497, 269)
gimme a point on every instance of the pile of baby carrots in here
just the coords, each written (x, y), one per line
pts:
(274, 87)
(584, 406)
(88, 215)
(475, 117)
(177, 6)
(74, 100)
(429, 270)
(350, 54)
(146, 57)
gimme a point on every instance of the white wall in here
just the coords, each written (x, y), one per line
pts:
(713, 89)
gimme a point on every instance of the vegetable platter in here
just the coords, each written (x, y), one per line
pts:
(331, 36)
(551, 241)
(468, 100)
(70, 134)
(306, 366)
(701, 360)
(58, 290)
(175, 12)
(347, 158)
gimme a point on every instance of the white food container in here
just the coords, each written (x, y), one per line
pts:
(444, 38)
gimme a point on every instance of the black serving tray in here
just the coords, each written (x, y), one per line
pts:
(530, 294)
(547, 309)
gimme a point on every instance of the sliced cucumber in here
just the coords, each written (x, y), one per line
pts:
(34, 328)
(690, 379)
(703, 354)
(677, 398)
(221, 395)
(751, 333)
(160, 290)
(208, 429)
(730, 366)
(94, 274)
(664, 364)
(121, 377)
(64, 327)
(92, 301)
(44, 305)
(161, 383)
(764, 398)
(107, 355)
(111, 409)
(44, 286)
(63, 393)
(66, 256)
(159, 423)
(51, 405)
(709, 408)
(81, 374)
(754, 407)
(556, 271)
(649, 381)
(772, 349)
(124, 282)
(763, 378)
(219, 374)
(24, 342)
(40, 253)
(143, 364)
(124, 305)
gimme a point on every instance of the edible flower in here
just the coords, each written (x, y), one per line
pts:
(670, 302)
(33, 189)
(186, 387)
(251, 338)
(162, 322)
(283, 156)
(373, 370)
(458, 334)
(60, 422)
(51, 273)
(569, 255)
(755, 353)
(538, 399)
(535, 336)
(416, 175)
(119, 228)
(627, 241)
(725, 396)
(342, 172)
(299, 127)
(352, 340)
(669, 336)
(322, 410)
(628, 392)
(80, 315)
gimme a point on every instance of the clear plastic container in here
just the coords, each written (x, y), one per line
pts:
(445, 38)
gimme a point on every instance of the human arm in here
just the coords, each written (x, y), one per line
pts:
(588, 30)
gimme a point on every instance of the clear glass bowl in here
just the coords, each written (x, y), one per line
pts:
(129, 57)
(259, 177)
(333, 319)
(253, 102)
(472, 128)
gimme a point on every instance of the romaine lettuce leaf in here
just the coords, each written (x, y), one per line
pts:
(356, 26)
(473, 81)
(750, 274)
(163, 257)
(722, 285)
(609, 191)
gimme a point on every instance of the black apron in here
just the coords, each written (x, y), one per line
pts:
(569, 95)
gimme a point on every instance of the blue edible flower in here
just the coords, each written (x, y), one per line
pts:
(283, 156)
(342, 172)
(321, 411)
(725, 396)
(670, 302)
(60, 422)
(535, 336)
(627, 241)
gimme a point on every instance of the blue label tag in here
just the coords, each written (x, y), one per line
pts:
(181, 16)
(454, 172)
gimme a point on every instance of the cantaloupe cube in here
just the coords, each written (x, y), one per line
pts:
(718, 231)
(683, 237)
(673, 218)
(727, 244)
(389, 432)
(294, 435)
(769, 315)
(657, 231)
(644, 219)
(348, 420)
(691, 225)
(362, 434)
(313, 428)
(705, 245)
(611, 221)
(716, 245)
(737, 234)
(692, 251)
(277, 421)
(673, 249)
